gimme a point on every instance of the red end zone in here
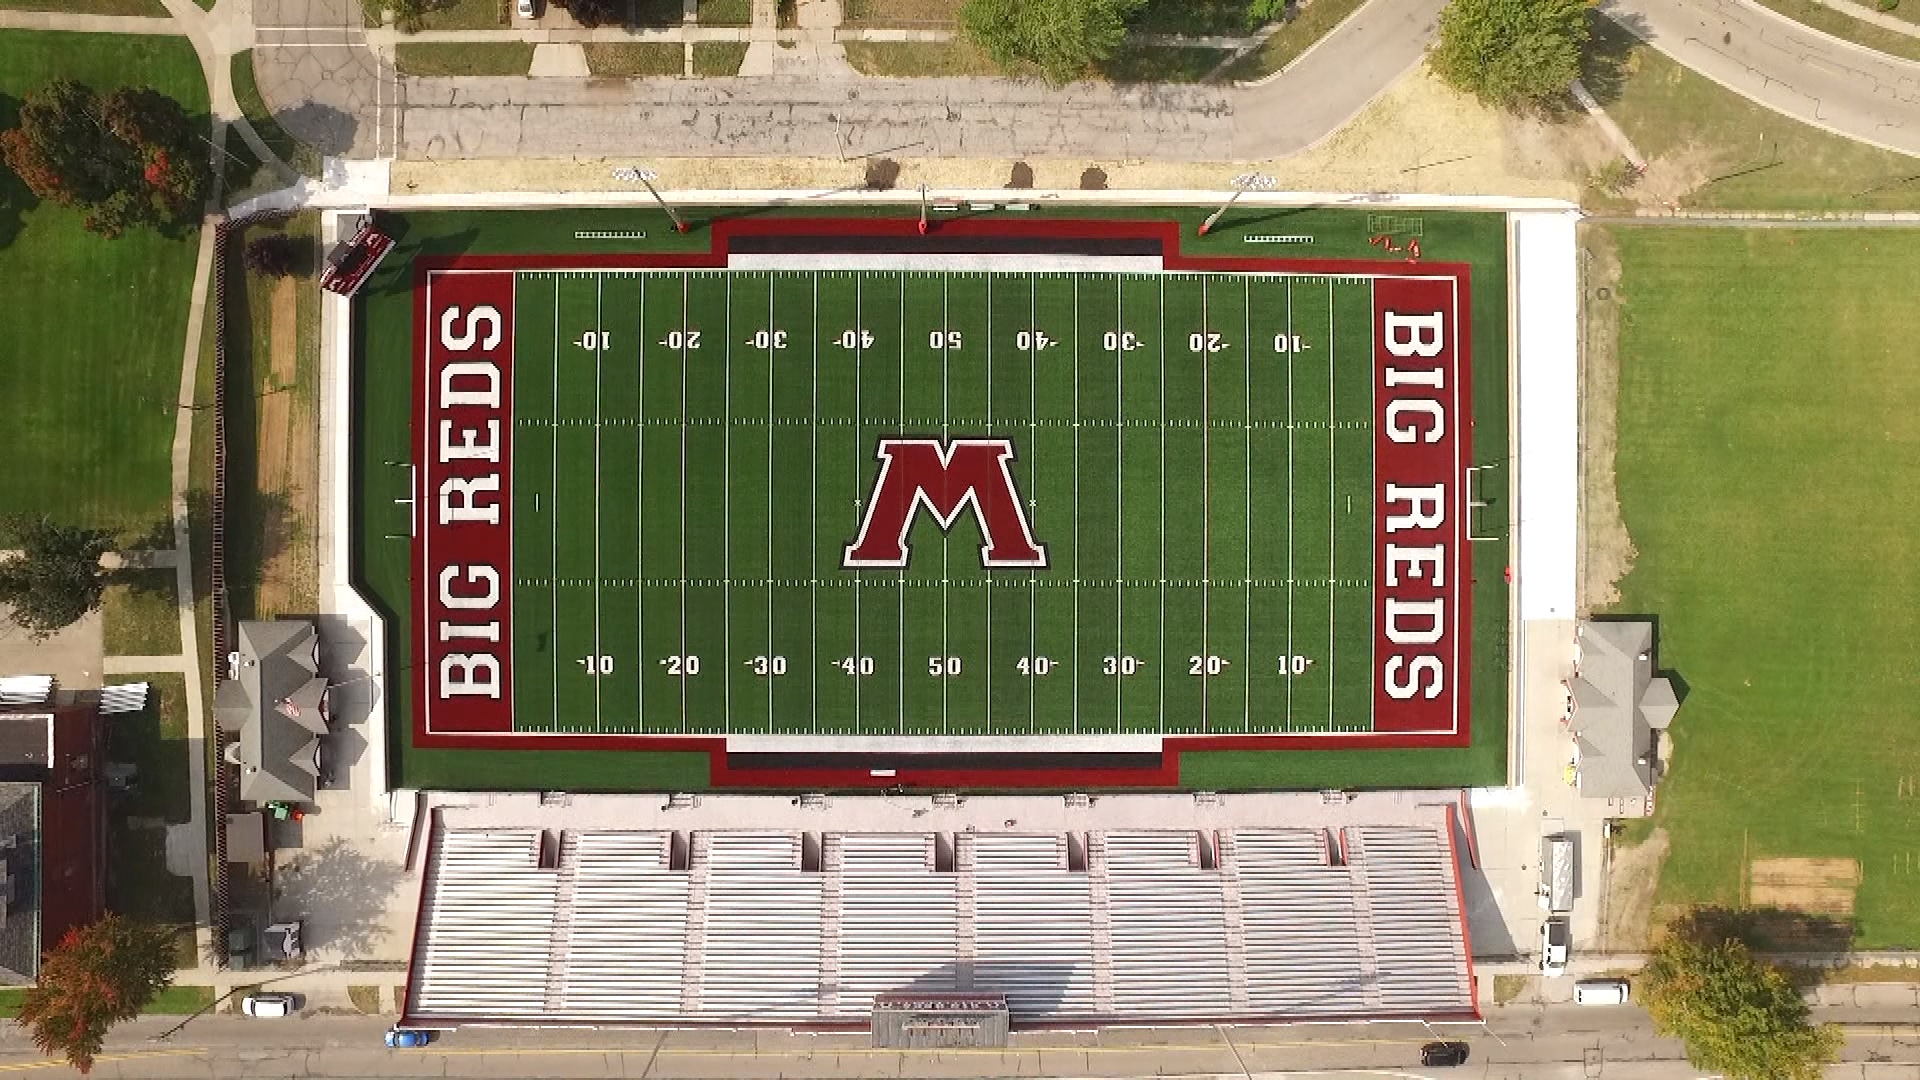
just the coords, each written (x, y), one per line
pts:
(463, 551)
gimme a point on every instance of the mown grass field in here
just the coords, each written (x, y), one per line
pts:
(94, 327)
(1768, 428)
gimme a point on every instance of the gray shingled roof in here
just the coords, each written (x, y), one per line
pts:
(277, 707)
(20, 888)
(1618, 703)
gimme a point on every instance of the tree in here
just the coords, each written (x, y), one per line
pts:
(96, 977)
(129, 158)
(592, 13)
(1064, 39)
(58, 579)
(1738, 1016)
(275, 255)
(1511, 53)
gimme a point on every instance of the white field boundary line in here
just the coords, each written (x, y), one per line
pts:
(1333, 536)
(975, 742)
(800, 197)
(599, 380)
(958, 262)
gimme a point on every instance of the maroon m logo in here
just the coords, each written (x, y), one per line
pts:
(947, 479)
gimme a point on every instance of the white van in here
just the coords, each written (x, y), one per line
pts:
(1556, 941)
(1601, 992)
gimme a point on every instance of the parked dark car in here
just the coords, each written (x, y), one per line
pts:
(407, 1038)
(1440, 1055)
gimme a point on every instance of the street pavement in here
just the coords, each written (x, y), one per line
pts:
(1530, 1043)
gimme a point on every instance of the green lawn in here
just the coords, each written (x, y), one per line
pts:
(464, 58)
(246, 89)
(172, 1001)
(914, 58)
(1192, 17)
(464, 15)
(149, 8)
(725, 12)
(95, 327)
(1161, 63)
(719, 58)
(142, 615)
(636, 58)
(1740, 156)
(1296, 36)
(1768, 408)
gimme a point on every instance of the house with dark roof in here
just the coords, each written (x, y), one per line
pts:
(53, 830)
(275, 705)
(1619, 703)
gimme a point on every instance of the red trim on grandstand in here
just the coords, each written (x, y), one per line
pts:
(1443, 721)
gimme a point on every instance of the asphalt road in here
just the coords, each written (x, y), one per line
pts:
(1534, 1044)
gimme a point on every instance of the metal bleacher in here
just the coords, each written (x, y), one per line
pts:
(522, 925)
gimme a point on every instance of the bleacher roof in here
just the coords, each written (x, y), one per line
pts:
(733, 927)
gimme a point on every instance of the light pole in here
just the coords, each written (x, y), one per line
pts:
(1242, 184)
(923, 209)
(647, 177)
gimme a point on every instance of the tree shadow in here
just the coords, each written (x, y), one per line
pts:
(16, 199)
(329, 130)
(1021, 178)
(1766, 929)
(1093, 178)
(341, 893)
(1604, 66)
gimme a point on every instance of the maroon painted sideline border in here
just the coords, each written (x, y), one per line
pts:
(1168, 233)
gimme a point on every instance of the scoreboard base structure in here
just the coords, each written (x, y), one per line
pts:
(1036, 503)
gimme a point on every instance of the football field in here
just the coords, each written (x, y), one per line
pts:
(1014, 500)
(692, 452)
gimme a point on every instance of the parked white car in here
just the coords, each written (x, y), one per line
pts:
(1556, 941)
(523, 8)
(267, 1006)
(1601, 992)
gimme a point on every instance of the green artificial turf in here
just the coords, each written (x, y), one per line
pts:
(598, 506)
(94, 327)
(1768, 408)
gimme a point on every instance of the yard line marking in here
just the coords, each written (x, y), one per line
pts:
(946, 353)
(1033, 429)
(1291, 356)
(640, 514)
(1119, 511)
(1373, 480)
(726, 516)
(1246, 611)
(684, 291)
(1075, 660)
(1206, 506)
(901, 627)
(770, 287)
(813, 512)
(859, 322)
(1332, 548)
(1162, 673)
(599, 366)
(553, 523)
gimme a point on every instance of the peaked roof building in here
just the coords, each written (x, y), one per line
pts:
(276, 702)
(1618, 703)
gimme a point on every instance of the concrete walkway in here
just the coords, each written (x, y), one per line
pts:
(331, 92)
(1843, 88)
(87, 24)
